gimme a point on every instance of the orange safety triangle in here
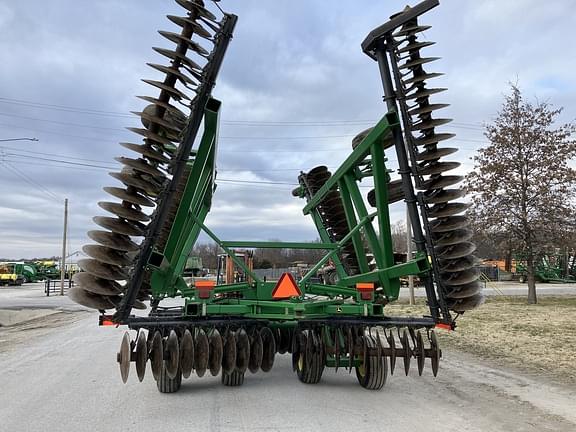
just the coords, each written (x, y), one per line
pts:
(286, 287)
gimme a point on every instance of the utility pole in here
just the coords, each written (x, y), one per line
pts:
(409, 256)
(63, 265)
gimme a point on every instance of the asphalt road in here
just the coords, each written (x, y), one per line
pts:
(67, 380)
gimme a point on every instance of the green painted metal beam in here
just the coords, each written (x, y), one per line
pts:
(377, 135)
(279, 245)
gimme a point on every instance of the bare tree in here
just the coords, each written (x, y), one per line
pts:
(522, 183)
(399, 237)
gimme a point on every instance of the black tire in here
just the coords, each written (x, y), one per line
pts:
(234, 379)
(309, 366)
(166, 384)
(373, 375)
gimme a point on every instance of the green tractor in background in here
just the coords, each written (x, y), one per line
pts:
(549, 268)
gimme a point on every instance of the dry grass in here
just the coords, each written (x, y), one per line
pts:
(538, 338)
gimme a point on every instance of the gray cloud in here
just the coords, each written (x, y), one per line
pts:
(290, 61)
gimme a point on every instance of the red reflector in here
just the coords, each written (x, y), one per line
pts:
(108, 323)
(366, 295)
(363, 286)
(204, 293)
(286, 287)
(444, 326)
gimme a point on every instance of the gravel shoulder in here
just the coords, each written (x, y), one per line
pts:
(539, 340)
(20, 327)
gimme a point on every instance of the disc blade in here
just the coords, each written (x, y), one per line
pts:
(256, 352)
(198, 29)
(468, 303)
(447, 209)
(114, 241)
(242, 350)
(435, 352)
(173, 91)
(102, 270)
(229, 353)
(441, 182)
(286, 338)
(156, 355)
(201, 353)
(143, 166)
(459, 264)
(269, 349)
(449, 224)
(415, 46)
(187, 354)
(149, 116)
(195, 7)
(453, 237)
(420, 353)
(123, 357)
(90, 300)
(151, 136)
(131, 197)
(118, 226)
(418, 78)
(461, 278)
(411, 29)
(216, 352)
(443, 195)
(124, 211)
(411, 64)
(147, 151)
(464, 291)
(170, 108)
(434, 139)
(178, 38)
(131, 179)
(407, 352)
(424, 93)
(107, 255)
(455, 251)
(96, 285)
(173, 55)
(172, 358)
(429, 124)
(141, 354)
(437, 167)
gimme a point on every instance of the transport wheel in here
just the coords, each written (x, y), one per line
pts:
(166, 384)
(233, 379)
(309, 362)
(373, 369)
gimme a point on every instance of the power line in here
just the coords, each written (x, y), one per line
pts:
(79, 110)
(18, 139)
(50, 165)
(30, 181)
(51, 154)
(63, 108)
(61, 161)
(61, 123)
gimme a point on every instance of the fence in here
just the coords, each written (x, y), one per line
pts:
(52, 286)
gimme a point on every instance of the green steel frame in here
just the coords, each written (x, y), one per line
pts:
(254, 299)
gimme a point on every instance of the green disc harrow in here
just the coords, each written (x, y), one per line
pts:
(342, 322)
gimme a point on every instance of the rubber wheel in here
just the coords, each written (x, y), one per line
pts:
(309, 366)
(166, 384)
(372, 375)
(234, 379)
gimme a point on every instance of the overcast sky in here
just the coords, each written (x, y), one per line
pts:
(71, 69)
